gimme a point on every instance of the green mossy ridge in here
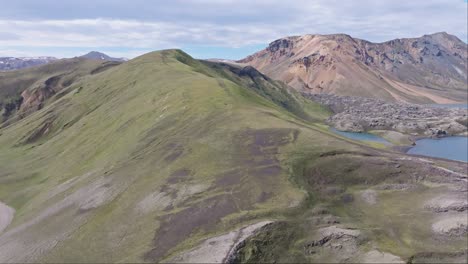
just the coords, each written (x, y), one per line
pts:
(138, 123)
(125, 123)
(393, 225)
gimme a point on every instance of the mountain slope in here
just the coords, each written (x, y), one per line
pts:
(24, 91)
(432, 68)
(13, 63)
(147, 160)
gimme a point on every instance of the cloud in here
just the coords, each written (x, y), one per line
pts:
(130, 27)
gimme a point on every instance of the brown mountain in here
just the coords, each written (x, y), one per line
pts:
(432, 68)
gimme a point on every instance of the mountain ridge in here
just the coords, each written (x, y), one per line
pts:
(27, 90)
(166, 158)
(16, 63)
(431, 68)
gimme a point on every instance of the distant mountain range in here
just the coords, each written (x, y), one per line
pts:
(431, 68)
(13, 63)
(428, 69)
(16, 63)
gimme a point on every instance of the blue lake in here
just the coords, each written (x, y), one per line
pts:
(361, 136)
(465, 106)
(454, 148)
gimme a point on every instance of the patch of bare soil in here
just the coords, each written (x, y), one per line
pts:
(56, 222)
(451, 225)
(375, 256)
(219, 248)
(6, 216)
(448, 202)
(369, 196)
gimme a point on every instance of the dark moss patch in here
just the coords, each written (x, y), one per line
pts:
(257, 150)
(41, 131)
(177, 227)
(105, 66)
(439, 257)
(179, 176)
(229, 178)
(175, 151)
(264, 196)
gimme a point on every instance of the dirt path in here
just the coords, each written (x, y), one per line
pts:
(6, 216)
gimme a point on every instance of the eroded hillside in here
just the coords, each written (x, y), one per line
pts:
(24, 91)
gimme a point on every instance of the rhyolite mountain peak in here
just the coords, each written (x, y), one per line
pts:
(431, 68)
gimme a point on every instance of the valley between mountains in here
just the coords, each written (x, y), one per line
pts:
(168, 159)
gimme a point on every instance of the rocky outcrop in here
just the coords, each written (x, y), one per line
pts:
(34, 99)
(446, 203)
(431, 68)
(343, 243)
(358, 114)
(451, 225)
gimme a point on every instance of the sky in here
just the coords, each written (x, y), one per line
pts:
(228, 29)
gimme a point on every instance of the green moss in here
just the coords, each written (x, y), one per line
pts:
(137, 123)
(274, 243)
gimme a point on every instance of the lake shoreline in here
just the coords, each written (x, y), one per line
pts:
(373, 136)
(357, 114)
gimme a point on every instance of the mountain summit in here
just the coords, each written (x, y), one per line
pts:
(431, 68)
(95, 55)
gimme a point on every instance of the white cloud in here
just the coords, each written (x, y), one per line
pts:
(226, 23)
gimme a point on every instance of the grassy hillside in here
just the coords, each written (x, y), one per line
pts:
(147, 159)
(41, 83)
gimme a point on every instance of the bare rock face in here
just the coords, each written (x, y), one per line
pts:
(431, 68)
(340, 242)
(445, 203)
(451, 225)
(33, 99)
